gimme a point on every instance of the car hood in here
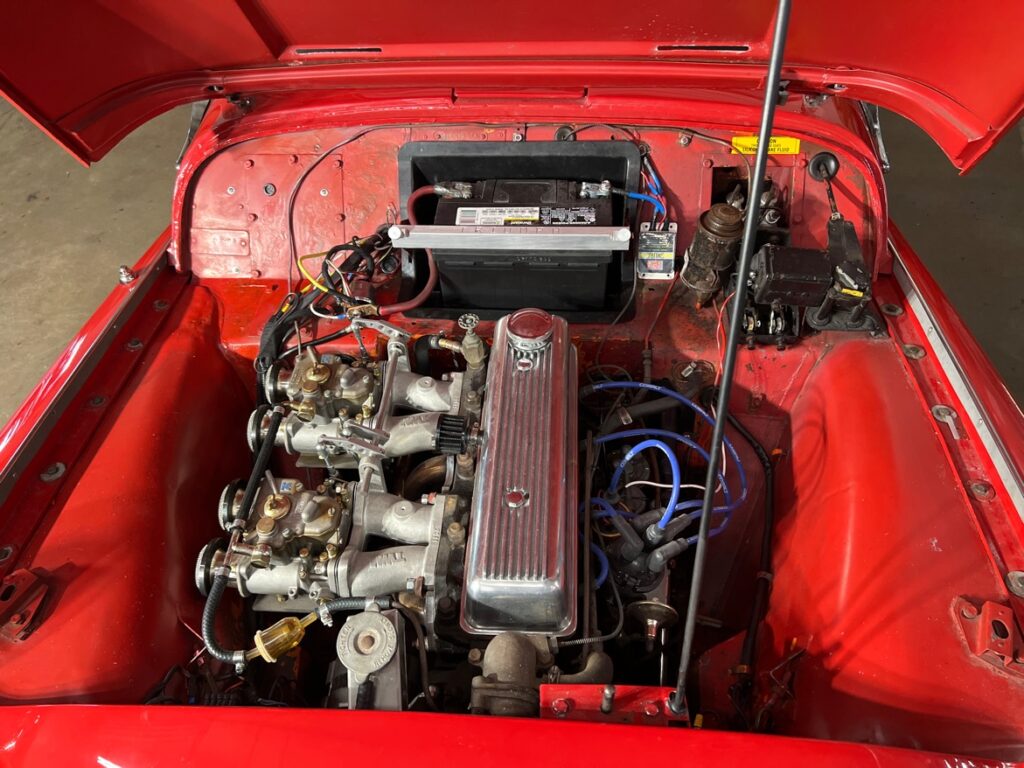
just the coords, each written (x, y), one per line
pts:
(90, 71)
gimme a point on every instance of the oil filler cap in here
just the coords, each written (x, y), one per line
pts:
(529, 330)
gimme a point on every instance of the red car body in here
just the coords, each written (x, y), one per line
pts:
(105, 463)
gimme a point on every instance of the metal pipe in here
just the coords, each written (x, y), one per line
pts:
(677, 701)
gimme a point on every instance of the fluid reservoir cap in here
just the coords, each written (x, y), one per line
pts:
(366, 643)
(530, 329)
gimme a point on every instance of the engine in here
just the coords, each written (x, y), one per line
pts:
(496, 445)
(451, 511)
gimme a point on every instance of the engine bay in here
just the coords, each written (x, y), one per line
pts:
(466, 522)
(416, 417)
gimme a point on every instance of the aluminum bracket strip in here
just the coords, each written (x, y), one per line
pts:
(478, 238)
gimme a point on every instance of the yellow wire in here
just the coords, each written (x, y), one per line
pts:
(305, 273)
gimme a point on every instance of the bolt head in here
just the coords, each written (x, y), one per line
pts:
(475, 656)
(126, 274)
(651, 709)
(969, 612)
(561, 707)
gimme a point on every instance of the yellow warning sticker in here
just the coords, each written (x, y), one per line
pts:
(777, 145)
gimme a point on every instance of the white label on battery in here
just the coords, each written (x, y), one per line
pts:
(497, 217)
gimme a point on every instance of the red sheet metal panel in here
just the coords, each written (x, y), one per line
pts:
(88, 72)
(871, 601)
(174, 736)
(137, 504)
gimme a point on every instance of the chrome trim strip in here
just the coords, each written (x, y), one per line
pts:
(972, 406)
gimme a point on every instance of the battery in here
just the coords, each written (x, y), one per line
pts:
(559, 280)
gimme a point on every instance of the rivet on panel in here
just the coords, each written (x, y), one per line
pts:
(982, 491)
(53, 472)
(1015, 582)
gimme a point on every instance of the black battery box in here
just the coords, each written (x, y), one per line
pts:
(582, 286)
(555, 280)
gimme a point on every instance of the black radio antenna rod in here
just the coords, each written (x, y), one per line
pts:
(677, 701)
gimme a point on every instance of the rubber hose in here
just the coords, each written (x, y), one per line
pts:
(260, 466)
(220, 582)
(764, 576)
(349, 604)
(213, 648)
(597, 669)
(365, 695)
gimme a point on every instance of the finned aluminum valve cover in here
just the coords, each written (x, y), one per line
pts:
(521, 557)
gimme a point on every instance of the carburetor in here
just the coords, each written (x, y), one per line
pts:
(299, 545)
(345, 415)
(302, 545)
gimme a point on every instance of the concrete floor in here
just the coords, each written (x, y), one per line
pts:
(64, 230)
